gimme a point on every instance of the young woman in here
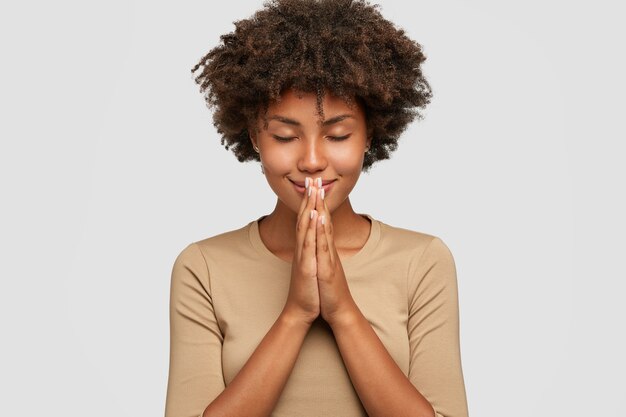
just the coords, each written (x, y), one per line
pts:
(314, 309)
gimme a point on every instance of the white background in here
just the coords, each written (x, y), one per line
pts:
(110, 166)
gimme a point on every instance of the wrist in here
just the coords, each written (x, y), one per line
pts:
(345, 318)
(293, 319)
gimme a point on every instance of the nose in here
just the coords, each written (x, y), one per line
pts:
(312, 156)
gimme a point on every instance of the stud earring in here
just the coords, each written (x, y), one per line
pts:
(257, 151)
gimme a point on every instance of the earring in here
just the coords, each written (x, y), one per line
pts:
(367, 150)
(257, 151)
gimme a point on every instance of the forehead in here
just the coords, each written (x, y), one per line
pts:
(303, 106)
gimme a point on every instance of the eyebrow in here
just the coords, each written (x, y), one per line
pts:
(289, 121)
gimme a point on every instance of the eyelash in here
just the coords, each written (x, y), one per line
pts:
(333, 138)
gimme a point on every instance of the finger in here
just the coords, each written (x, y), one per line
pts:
(303, 223)
(329, 219)
(332, 250)
(324, 256)
(319, 204)
(305, 199)
(309, 261)
(328, 226)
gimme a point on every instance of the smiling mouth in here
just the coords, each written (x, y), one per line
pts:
(327, 186)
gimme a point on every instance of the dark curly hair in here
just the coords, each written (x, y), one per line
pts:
(342, 46)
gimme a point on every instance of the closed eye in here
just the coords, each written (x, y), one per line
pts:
(338, 138)
(333, 138)
(282, 139)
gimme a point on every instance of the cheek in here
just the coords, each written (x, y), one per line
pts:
(278, 161)
(347, 161)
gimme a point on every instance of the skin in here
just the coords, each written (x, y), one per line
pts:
(297, 146)
(318, 284)
(312, 153)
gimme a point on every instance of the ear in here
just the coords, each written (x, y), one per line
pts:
(252, 137)
(370, 135)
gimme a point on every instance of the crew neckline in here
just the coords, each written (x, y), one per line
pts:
(366, 250)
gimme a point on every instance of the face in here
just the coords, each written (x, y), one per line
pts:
(296, 145)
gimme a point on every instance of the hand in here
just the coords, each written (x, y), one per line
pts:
(336, 302)
(303, 300)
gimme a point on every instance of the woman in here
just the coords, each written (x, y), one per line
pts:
(314, 309)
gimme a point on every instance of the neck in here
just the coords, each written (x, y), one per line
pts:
(280, 225)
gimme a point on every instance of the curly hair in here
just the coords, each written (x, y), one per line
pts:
(345, 47)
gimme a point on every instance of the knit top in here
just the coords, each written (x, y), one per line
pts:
(228, 290)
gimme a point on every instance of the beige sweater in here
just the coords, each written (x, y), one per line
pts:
(228, 290)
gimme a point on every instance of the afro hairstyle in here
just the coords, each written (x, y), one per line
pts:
(345, 47)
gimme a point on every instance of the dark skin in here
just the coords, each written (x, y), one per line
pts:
(302, 229)
(297, 148)
(356, 234)
(318, 285)
(278, 47)
(312, 153)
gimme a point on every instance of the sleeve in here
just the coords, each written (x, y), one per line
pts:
(433, 329)
(195, 368)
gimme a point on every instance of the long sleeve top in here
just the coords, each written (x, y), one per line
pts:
(228, 290)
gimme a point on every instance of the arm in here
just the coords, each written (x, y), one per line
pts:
(381, 385)
(196, 377)
(258, 385)
(434, 386)
(195, 368)
(433, 327)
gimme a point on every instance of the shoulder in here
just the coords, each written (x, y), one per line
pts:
(430, 264)
(229, 239)
(196, 258)
(222, 246)
(414, 241)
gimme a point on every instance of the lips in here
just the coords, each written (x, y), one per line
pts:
(301, 183)
(326, 185)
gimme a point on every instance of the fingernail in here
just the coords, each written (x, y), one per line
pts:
(313, 211)
(322, 219)
(306, 182)
(322, 193)
(319, 182)
(310, 188)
